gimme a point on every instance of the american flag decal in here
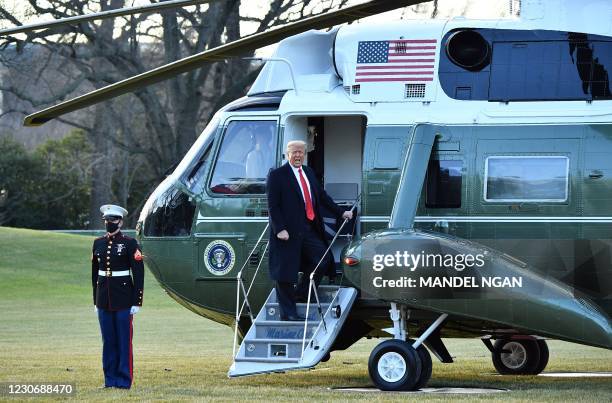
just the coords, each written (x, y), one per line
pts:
(408, 60)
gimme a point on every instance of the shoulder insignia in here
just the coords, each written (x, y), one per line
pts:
(137, 255)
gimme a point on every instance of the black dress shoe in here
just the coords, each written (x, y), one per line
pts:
(301, 299)
(293, 318)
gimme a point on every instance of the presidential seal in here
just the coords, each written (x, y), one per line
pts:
(219, 257)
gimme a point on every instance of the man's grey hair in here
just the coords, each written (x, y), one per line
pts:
(296, 143)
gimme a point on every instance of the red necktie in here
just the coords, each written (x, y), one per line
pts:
(309, 210)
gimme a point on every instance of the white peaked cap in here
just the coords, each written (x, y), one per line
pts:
(111, 210)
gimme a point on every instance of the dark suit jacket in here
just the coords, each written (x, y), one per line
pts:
(288, 212)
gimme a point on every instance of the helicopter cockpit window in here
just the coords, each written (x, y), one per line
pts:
(526, 179)
(194, 159)
(195, 179)
(170, 215)
(247, 154)
(443, 184)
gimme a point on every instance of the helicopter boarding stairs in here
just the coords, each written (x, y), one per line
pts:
(274, 345)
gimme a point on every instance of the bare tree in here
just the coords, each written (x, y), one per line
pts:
(154, 126)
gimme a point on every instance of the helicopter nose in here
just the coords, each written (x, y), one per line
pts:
(164, 224)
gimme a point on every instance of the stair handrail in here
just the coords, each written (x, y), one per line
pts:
(248, 291)
(312, 287)
(316, 331)
(240, 287)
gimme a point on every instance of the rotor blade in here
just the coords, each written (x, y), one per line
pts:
(102, 15)
(222, 52)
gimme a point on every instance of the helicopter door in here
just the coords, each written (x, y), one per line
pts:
(382, 163)
(233, 212)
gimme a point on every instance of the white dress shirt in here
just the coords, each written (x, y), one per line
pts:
(297, 177)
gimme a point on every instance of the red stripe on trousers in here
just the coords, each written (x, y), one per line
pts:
(131, 358)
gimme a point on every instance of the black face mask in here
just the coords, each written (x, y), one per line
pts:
(112, 227)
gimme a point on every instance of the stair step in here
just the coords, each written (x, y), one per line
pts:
(269, 360)
(283, 323)
(279, 341)
(325, 292)
(279, 329)
(273, 348)
(273, 312)
(300, 304)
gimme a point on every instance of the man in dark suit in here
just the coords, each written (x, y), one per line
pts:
(295, 198)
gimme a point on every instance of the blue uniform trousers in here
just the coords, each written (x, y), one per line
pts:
(116, 328)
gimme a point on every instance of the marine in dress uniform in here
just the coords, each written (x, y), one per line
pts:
(117, 279)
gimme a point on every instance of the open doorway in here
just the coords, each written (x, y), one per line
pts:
(335, 153)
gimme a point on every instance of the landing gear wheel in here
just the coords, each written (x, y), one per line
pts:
(394, 365)
(426, 366)
(544, 355)
(522, 358)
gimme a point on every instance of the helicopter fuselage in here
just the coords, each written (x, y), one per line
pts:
(520, 162)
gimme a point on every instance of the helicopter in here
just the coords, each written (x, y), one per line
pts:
(474, 152)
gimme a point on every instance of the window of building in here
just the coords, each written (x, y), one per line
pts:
(247, 154)
(526, 179)
(443, 184)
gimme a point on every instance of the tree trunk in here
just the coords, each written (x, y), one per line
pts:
(101, 178)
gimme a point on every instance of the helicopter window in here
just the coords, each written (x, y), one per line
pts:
(528, 178)
(443, 184)
(247, 153)
(171, 215)
(526, 65)
(202, 143)
(195, 179)
(388, 153)
(602, 65)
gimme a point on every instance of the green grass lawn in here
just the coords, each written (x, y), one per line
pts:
(49, 333)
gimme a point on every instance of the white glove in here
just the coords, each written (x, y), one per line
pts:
(134, 310)
(95, 309)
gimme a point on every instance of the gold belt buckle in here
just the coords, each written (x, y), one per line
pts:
(109, 273)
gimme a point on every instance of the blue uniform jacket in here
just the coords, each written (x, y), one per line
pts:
(117, 253)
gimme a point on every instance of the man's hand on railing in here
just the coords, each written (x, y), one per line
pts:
(347, 215)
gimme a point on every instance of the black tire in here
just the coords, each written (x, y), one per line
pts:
(326, 357)
(523, 358)
(426, 367)
(544, 356)
(388, 354)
